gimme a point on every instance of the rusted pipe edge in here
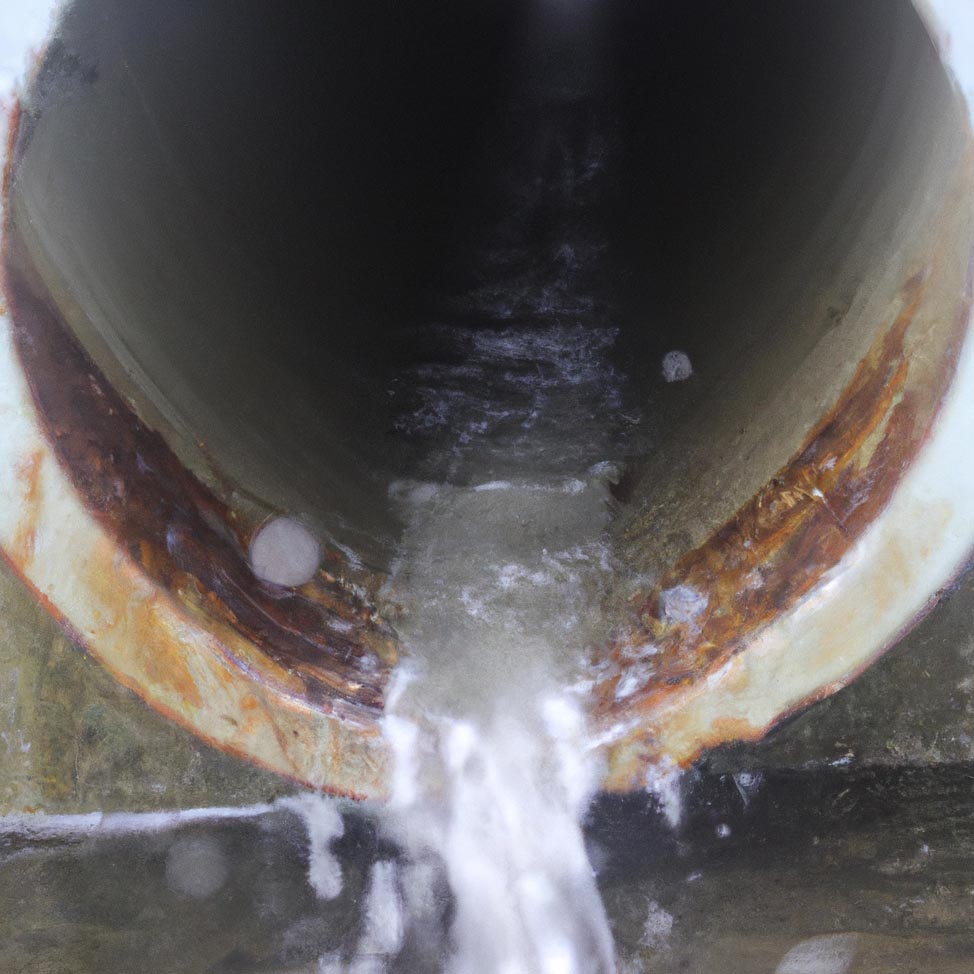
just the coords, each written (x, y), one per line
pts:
(290, 680)
(834, 559)
(183, 648)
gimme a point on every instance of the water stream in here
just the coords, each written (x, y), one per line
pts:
(519, 409)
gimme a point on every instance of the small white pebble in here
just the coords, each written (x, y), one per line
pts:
(676, 366)
(285, 552)
(723, 830)
(830, 954)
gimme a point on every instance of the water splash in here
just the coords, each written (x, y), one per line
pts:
(499, 809)
(517, 404)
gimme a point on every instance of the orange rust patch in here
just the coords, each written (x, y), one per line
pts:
(325, 635)
(28, 471)
(728, 729)
(780, 544)
(13, 129)
(159, 655)
(263, 713)
(167, 670)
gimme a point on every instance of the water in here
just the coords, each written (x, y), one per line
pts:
(518, 409)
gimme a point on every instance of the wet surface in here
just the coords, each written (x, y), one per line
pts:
(882, 859)
(507, 389)
(763, 862)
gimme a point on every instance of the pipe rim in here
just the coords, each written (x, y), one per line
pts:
(230, 692)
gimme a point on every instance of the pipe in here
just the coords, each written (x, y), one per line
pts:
(222, 231)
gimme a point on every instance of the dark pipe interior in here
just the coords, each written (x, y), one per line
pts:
(252, 212)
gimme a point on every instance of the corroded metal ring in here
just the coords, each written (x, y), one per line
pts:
(148, 569)
(780, 604)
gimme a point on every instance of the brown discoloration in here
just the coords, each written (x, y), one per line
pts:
(155, 639)
(28, 472)
(781, 544)
(13, 129)
(323, 638)
(170, 672)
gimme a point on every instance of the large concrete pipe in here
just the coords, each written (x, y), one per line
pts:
(223, 223)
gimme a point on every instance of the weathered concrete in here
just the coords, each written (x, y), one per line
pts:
(872, 866)
(915, 706)
(72, 739)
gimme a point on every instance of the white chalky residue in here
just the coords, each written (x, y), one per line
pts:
(606, 469)
(682, 603)
(509, 576)
(85, 824)
(196, 866)
(657, 927)
(747, 782)
(663, 779)
(284, 552)
(324, 824)
(676, 366)
(640, 651)
(494, 485)
(831, 954)
(634, 677)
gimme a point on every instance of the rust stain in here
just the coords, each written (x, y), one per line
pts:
(166, 670)
(734, 729)
(780, 544)
(186, 539)
(28, 471)
(136, 622)
(158, 640)
(14, 117)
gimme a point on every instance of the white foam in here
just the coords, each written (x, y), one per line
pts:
(383, 931)
(506, 828)
(324, 824)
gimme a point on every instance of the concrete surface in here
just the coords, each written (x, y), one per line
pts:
(72, 739)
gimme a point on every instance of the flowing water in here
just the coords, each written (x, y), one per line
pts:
(520, 413)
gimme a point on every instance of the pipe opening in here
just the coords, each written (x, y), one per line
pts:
(251, 218)
(334, 253)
